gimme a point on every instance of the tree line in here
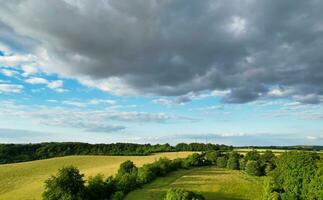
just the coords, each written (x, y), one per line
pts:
(11, 153)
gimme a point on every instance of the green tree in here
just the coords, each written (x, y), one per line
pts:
(316, 185)
(253, 168)
(180, 194)
(294, 174)
(221, 161)
(233, 161)
(98, 189)
(212, 156)
(68, 184)
(126, 167)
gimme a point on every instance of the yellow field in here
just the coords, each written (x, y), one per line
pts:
(25, 180)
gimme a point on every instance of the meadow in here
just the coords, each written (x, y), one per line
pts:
(26, 180)
(212, 182)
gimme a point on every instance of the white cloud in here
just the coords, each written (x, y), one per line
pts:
(88, 120)
(37, 80)
(54, 85)
(8, 72)
(15, 60)
(11, 88)
(237, 25)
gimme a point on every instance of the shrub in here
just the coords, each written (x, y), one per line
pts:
(68, 184)
(180, 194)
(127, 182)
(252, 155)
(233, 161)
(221, 162)
(99, 189)
(126, 167)
(253, 168)
(211, 156)
(145, 174)
(242, 164)
(118, 196)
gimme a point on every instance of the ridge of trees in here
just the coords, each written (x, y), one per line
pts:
(11, 153)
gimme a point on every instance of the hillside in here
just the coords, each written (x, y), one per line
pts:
(212, 182)
(25, 180)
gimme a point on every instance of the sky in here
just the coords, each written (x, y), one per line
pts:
(236, 72)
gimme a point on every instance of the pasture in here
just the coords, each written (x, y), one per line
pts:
(212, 182)
(25, 180)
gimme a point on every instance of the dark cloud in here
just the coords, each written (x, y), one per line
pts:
(171, 48)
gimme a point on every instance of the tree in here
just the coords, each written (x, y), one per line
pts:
(180, 194)
(98, 189)
(221, 162)
(126, 167)
(316, 185)
(253, 168)
(252, 155)
(68, 184)
(233, 161)
(212, 156)
(296, 176)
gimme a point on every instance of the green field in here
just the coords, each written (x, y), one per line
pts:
(214, 183)
(26, 180)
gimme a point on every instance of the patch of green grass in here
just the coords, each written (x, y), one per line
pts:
(213, 183)
(25, 180)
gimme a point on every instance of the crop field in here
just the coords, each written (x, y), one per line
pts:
(26, 180)
(214, 183)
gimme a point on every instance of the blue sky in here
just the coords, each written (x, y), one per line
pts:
(135, 76)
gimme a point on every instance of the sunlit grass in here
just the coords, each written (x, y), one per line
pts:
(214, 183)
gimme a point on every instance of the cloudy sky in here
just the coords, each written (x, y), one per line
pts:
(241, 72)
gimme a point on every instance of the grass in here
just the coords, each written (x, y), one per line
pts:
(26, 180)
(213, 183)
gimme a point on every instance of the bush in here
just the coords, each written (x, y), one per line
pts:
(68, 184)
(145, 174)
(118, 196)
(242, 164)
(180, 194)
(126, 167)
(99, 189)
(253, 168)
(127, 182)
(233, 161)
(211, 156)
(221, 162)
(195, 160)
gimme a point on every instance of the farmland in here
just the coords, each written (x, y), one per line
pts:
(211, 182)
(25, 180)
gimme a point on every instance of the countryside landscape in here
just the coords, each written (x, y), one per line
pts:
(161, 100)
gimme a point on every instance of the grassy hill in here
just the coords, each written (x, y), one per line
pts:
(213, 183)
(25, 180)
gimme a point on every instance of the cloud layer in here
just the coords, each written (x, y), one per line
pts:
(252, 49)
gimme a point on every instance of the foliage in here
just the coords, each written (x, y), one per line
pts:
(68, 184)
(233, 161)
(126, 167)
(221, 161)
(180, 194)
(100, 189)
(253, 168)
(297, 176)
(212, 156)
